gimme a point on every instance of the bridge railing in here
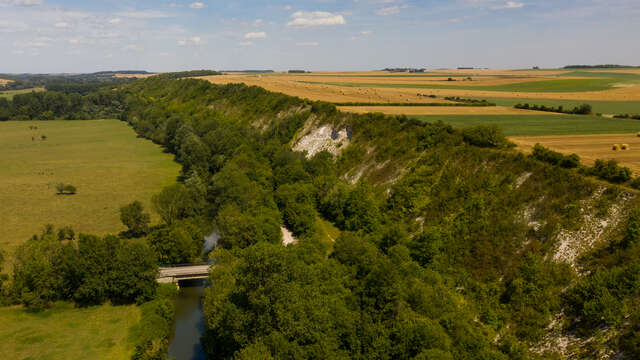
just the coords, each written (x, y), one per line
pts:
(184, 265)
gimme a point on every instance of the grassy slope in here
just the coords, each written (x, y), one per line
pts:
(103, 159)
(65, 332)
(540, 125)
(604, 107)
(9, 94)
(560, 85)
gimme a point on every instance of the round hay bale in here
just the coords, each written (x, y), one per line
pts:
(615, 147)
(638, 134)
(624, 146)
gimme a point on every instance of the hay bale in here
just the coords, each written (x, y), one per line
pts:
(615, 147)
(624, 146)
(638, 134)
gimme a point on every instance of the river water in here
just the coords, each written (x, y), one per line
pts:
(189, 323)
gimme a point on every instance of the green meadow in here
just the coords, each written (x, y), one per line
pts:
(541, 125)
(104, 159)
(65, 332)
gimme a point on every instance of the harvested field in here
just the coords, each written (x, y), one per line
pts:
(514, 84)
(507, 85)
(325, 92)
(4, 82)
(589, 147)
(441, 110)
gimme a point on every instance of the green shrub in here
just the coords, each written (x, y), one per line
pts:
(486, 136)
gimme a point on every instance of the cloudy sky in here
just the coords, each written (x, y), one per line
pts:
(158, 35)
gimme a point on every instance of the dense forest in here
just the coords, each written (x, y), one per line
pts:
(447, 237)
(450, 245)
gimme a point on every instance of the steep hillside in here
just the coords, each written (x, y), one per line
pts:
(452, 245)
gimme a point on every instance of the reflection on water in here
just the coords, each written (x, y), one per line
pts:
(189, 323)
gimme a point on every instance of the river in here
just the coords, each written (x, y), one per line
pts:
(189, 323)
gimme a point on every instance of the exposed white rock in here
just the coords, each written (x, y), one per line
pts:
(323, 138)
(287, 237)
(572, 244)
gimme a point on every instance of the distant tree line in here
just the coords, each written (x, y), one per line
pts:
(51, 105)
(584, 109)
(80, 84)
(188, 74)
(605, 66)
(473, 102)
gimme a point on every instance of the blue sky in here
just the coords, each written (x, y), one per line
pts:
(159, 35)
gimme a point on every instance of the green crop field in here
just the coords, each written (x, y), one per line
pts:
(559, 85)
(9, 94)
(104, 159)
(65, 332)
(604, 107)
(541, 125)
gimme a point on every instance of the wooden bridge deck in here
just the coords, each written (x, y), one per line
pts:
(189, 272)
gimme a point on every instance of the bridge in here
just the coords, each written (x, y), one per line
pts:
(176, 273)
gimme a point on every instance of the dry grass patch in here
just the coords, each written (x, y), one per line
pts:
(590, 147)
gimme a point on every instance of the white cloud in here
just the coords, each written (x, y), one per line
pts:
(22, 2)
(132, 47)
(308, 43)
(509, 5)
(196, 5)
(366, 32)
(115, 21)
(62, 25)
(393, 10)
(194, 40)
(315, 18)
(246, 43)
(256, 35)
(144, 14)
(174, 5)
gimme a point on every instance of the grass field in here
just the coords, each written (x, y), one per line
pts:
(102, 158)
(9, 94)
(65, 332)
(604, 107)
(589, 147)
(542, 125)
(560, 85)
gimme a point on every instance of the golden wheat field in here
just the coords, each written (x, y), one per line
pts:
(377, 86)
(590, 147)
(440, 110)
